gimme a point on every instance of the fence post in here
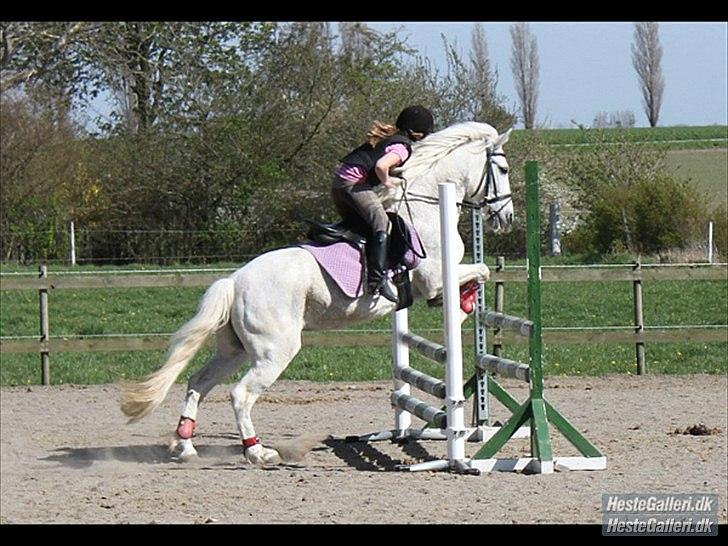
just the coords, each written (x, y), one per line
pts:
(710, 242)
(639, 322)
(554, 229)
(500, 265)
(45, 377)
(71, 244)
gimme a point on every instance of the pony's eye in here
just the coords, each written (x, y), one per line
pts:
(504, 170)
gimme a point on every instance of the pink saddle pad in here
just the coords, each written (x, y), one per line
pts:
(344, 263)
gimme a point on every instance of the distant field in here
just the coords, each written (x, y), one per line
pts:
(707, 168)
(696, 153)
(712, 136)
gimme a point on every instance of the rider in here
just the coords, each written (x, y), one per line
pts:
(387, 146)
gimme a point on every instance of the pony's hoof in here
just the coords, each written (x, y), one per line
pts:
(174, 445)
(182, 450)
(188, 456)
(262, 456)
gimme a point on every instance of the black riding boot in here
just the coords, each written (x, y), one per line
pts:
(377, 258)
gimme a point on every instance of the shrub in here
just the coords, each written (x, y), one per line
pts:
(666, 214)
(650, 216)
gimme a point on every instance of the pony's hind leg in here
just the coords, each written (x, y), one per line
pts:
(228, 358)
(265, 368)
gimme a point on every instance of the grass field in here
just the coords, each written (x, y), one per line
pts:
(699, 154)
(163, 310)
(707, 169)
(711, 136)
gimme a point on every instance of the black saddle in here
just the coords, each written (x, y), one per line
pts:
(328, 234)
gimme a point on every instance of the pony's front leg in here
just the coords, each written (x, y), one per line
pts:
(427, 278)
(469, 277)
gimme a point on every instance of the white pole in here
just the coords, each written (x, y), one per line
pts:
(454, 398)
(710, 242)
(400, 359)
(72, 243)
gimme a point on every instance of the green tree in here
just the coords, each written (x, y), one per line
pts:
(628, 198)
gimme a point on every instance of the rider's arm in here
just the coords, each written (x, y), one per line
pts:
(395, 156)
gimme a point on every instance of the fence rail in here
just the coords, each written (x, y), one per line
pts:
(639, 334)
(559, 336)
(626, 272)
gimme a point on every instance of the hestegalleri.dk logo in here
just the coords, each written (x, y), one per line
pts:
(679, 514)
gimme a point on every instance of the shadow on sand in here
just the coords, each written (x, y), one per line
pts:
(364, 456)
(75, 457)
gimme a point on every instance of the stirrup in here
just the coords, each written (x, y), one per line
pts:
(382, 289)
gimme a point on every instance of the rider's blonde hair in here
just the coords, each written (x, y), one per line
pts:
(378, 131)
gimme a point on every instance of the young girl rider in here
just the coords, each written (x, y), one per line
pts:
(368, 165)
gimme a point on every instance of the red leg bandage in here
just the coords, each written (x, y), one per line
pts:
(468, 293)
(250, 442)
(185, 428)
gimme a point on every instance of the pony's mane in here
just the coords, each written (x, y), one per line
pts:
(430, 150)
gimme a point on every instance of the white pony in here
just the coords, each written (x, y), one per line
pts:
(260, 310)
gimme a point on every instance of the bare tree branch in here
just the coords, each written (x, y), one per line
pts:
(525, 67)
(647, 59)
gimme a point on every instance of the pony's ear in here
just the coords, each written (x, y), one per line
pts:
(502, 139)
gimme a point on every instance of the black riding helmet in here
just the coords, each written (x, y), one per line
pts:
(416, 119)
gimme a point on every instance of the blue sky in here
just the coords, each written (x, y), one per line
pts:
(587, 67)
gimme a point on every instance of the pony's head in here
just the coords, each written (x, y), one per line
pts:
(471, 155)
(496, 197)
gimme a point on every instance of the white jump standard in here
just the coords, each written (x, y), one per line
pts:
(452, 421)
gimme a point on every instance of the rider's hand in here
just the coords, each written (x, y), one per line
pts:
(394, 181)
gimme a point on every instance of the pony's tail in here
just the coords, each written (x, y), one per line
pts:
(140, 399)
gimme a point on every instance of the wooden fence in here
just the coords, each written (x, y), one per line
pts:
(638, 333)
